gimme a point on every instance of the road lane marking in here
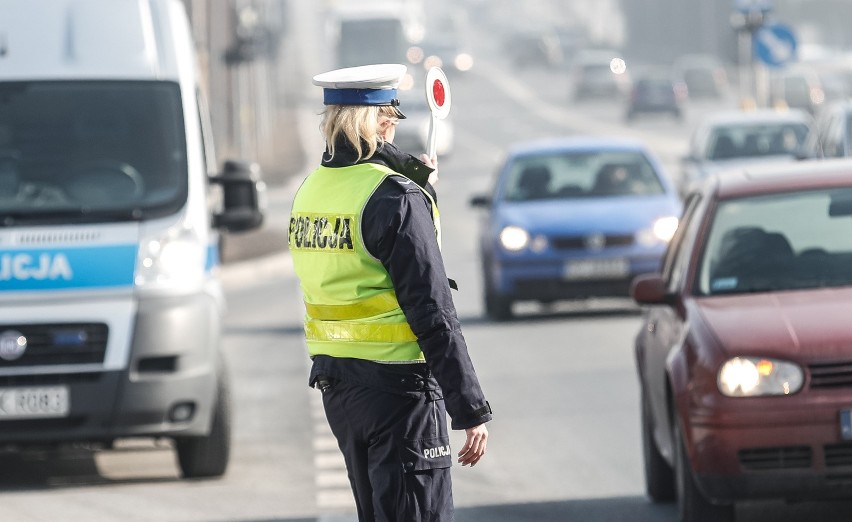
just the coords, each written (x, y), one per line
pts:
(333, 493)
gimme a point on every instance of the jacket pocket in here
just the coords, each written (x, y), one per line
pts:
(426, 454)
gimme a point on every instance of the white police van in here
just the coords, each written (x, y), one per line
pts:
(110, 309)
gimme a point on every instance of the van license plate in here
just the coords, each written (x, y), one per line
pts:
(34, 403)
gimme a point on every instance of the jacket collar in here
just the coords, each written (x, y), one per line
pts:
(387, 154)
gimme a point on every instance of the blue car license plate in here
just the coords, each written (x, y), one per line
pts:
(597, 269)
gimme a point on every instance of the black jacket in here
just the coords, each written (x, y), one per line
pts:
(397, 229)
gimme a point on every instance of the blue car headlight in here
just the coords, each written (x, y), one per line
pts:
(514, 238)
(661, 231)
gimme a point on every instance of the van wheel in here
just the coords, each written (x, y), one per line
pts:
(692, 505)
(659, 475)
(208, 456)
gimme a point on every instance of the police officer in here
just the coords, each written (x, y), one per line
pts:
(380, 324)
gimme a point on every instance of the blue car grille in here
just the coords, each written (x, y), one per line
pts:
(582, 242)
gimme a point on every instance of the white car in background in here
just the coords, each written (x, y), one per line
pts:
(412, 133)
(733, 139)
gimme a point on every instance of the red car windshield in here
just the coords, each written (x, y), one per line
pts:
(779, 242)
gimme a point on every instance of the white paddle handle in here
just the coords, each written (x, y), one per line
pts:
(432, 143)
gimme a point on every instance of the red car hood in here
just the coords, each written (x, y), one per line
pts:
(802, 324)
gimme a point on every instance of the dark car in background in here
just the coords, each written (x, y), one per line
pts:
(744, 354)
(655, 93)
(736, 138)
(533, 48)
(704, 75)
(797, 88)
(446, 53)
(598, 73)
(571, 219)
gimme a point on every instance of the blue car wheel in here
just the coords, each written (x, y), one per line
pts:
(498, 307)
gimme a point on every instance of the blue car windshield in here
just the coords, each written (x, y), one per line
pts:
(571, 175)
(780, 242)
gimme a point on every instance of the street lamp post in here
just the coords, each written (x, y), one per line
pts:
(748, 17)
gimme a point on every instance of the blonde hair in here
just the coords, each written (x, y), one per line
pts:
(359, 124)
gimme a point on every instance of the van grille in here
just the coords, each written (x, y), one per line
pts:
(53, 237)
(48, 379)
(761, 459)
(831, 375)
(55, 344)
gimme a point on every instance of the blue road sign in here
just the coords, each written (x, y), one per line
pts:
(775, 45)
(745, 6)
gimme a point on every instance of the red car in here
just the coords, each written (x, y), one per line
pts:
(745, 352)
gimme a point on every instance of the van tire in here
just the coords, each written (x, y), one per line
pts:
(208, 456)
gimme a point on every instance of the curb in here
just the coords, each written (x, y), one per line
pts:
(257, 271)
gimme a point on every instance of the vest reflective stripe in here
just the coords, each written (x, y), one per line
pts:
(378, 304)
(359, 332)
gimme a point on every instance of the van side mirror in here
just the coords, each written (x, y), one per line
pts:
(243, 196)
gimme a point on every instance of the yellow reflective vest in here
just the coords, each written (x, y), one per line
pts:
(350, 306)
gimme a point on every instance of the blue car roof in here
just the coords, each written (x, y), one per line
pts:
(576, 144)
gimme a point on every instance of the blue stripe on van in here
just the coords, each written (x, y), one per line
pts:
(212, 260)
(67, 268)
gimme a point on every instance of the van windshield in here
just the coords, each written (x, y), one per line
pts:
(90, 151)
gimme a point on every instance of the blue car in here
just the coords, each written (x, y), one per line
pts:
(572, 219)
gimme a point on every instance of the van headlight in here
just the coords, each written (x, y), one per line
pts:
(755, 376)
(514, 238)
(176, 257)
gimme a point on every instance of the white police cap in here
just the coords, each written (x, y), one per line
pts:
(364, 85)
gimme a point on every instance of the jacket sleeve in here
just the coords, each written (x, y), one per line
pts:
(398, 230)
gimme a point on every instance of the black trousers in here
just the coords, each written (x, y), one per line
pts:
(397, 452)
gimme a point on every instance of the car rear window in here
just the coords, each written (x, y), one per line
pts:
(786, 241)
(754, 140)
(598, 174)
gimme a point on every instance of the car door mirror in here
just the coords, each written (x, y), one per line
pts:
(243, 197)
(480, 201)
(649, 289)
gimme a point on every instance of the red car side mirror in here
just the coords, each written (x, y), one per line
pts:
(649, 289)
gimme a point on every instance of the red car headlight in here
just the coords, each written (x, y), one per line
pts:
(755, 376)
